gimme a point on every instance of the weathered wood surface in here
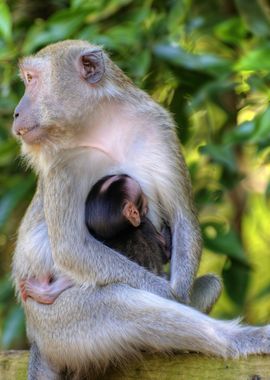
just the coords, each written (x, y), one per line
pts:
(13, 366)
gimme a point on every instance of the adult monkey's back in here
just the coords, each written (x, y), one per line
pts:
(81, 119)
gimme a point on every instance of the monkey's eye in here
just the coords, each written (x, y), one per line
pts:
(29, 77)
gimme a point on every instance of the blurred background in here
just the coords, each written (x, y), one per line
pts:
(206, 61)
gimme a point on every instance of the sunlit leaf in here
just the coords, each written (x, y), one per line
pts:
(5, 21)
(231, 30)
(255, 59)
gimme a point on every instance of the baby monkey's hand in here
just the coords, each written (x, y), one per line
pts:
(44, 290)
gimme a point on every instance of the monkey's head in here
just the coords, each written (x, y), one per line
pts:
(114, 204)
(64, 83)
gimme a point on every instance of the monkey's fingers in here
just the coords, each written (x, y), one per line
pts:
(41, 298)
(41, 294)
(46, 300)
(23, 291)
(24, 295)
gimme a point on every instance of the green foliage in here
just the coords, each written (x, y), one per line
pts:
(208, 62)
(5, 21)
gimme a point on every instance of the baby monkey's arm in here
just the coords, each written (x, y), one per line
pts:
(44, 290)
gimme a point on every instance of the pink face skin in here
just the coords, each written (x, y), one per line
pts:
(44, 290)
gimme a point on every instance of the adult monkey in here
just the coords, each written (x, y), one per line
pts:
(81, 119)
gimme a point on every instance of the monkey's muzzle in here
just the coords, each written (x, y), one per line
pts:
(23, 130)
(28, 134)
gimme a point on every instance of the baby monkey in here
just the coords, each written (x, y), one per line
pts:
(115, 214)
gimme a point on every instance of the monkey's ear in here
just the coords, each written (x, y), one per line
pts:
(131, 213)
(92, 66)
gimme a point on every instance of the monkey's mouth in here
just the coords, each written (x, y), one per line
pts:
(30, 135)
(23, 131)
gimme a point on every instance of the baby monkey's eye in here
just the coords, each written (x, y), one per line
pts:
(29, 77)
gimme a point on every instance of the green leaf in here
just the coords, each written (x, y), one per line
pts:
(231, 31)
(106, 9)
(206, 196)
(236, 280)
(255, 59)
(123, 36)
(265, 292)
(178, 15)
(211, 90)
(6, 289)
(78, 4)
(254, 131)
(222, 241)
(262, 130)
(267, 191)
(140, 64)
(7, 52)
(255, 14)
(7, 150)
(13, 196)
(13, 326)
(99, 10)
(240, 133)
(222, 154)
(202, 62)
(60, 26)
(5, 21)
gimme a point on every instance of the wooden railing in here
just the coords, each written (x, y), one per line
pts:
(13, 366)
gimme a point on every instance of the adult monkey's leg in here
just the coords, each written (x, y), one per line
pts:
(39, 368)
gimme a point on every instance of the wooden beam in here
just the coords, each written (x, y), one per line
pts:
(13, 366)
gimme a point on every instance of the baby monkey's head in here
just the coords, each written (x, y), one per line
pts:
(115, 203)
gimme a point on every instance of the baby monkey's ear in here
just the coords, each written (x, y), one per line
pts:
(132, 214)
(92, 66)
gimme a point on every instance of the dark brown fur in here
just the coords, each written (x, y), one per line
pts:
(104, 218)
